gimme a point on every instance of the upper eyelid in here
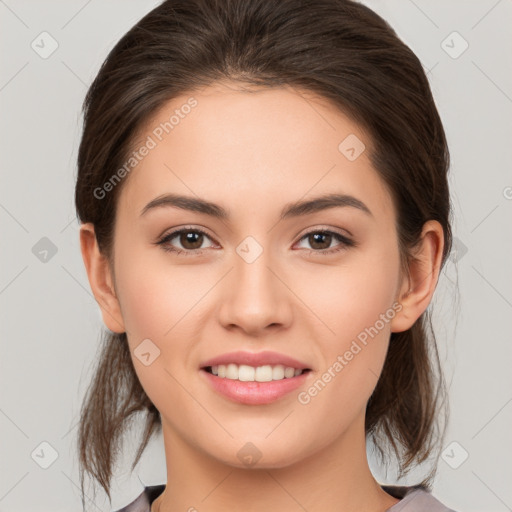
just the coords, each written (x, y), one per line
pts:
(173, 233)
(337, 231)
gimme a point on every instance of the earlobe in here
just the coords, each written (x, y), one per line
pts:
(100, 279)
(419, 285)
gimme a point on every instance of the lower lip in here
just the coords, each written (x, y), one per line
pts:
(255, 393)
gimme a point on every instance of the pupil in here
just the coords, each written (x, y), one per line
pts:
(315, 236)
(191, 238)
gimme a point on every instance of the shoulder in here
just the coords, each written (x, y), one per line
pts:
(416, 495)
(416, 498)
(144, 500)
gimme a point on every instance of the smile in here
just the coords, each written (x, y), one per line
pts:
(246, 373)
(251, 391)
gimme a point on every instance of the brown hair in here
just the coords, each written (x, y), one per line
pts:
(341, 51)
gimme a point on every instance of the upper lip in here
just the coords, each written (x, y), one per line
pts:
(255, 359)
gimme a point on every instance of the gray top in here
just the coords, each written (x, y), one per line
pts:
(412, 499)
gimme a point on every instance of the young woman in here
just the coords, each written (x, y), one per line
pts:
(264, 207)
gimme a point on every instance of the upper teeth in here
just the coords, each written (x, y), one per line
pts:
(247, 373)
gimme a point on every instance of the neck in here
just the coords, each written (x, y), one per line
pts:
(334, 478)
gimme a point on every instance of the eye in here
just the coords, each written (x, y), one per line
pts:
(191, 240)
(321, 241)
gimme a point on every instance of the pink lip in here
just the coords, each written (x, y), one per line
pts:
(254, 393)
(255, 359)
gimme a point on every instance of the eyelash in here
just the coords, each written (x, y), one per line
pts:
(345, 242)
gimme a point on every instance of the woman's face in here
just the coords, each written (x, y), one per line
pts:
(256, 281)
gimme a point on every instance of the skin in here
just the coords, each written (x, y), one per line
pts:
(253, 153)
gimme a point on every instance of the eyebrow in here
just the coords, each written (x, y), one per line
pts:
(294, 209)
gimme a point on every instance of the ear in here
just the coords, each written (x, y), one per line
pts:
(417, 288)
(100, 279)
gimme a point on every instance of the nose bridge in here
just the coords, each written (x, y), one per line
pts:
(254, 297)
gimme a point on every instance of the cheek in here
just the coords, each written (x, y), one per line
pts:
(357, 305)
(158, 302)
(370, 297)
(352, 296)
(154, 294)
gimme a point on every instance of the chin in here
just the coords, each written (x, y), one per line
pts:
(262, 454)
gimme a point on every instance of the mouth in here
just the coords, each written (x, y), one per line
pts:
(247, 373)
(260, 385)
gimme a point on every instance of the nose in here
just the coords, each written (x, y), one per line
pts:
(255, 298)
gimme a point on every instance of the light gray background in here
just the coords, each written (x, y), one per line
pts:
(50, 322)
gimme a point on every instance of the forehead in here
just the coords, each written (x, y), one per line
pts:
(251, 148)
